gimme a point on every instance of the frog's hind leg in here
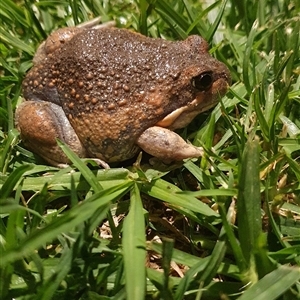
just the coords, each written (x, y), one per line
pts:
(40, 124)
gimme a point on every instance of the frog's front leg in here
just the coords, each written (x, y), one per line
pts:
(167, 145)
(40, 124)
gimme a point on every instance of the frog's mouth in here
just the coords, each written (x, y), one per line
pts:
(168, 120)
(182, 116)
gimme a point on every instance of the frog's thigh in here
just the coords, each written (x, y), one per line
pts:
(40, 124)
(166, 144)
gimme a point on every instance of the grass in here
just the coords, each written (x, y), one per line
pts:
(225, 226)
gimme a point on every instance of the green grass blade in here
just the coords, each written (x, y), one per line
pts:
(35, 21)
(143, 6)
(12, 180)
(213, 28)
(168, 246)
(248, 205)
(215, 260)
(134, 244)
(168, 192)
(189, 260)
(237, 251)
(13, 12)
(177, 22)
(86, 172)
(6, 37)
(67, 222)
(5, 156)
(273, 285)
(261, 117)
(189, 277)
(60, 181)
(247, 58)
(50, 286)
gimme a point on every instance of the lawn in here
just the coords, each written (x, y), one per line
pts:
(224, 226)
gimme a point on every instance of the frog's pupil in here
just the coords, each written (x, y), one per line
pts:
(203, 81)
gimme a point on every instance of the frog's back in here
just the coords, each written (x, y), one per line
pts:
(102, 69)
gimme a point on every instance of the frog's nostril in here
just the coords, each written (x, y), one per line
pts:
(203, 81)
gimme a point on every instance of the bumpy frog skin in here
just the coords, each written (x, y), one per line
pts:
(108, 92)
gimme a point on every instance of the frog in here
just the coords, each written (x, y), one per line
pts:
(109, 92)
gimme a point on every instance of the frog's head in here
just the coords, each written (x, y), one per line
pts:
(200, 81)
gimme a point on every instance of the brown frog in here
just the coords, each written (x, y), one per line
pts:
(108, 92)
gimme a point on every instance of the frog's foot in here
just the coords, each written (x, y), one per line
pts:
(41, 124)
(167, 145)
(99, 162)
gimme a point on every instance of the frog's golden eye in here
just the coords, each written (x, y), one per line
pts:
(203, 81)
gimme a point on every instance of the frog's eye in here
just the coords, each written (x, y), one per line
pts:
(203, 81)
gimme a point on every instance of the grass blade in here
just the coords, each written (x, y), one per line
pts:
(168, 192)
(134, 243)
(273, 285)
(67, 222)
(249, 215)
(86, 172)
(12, 180)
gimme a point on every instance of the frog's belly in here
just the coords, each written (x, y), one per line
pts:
(105, 139)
